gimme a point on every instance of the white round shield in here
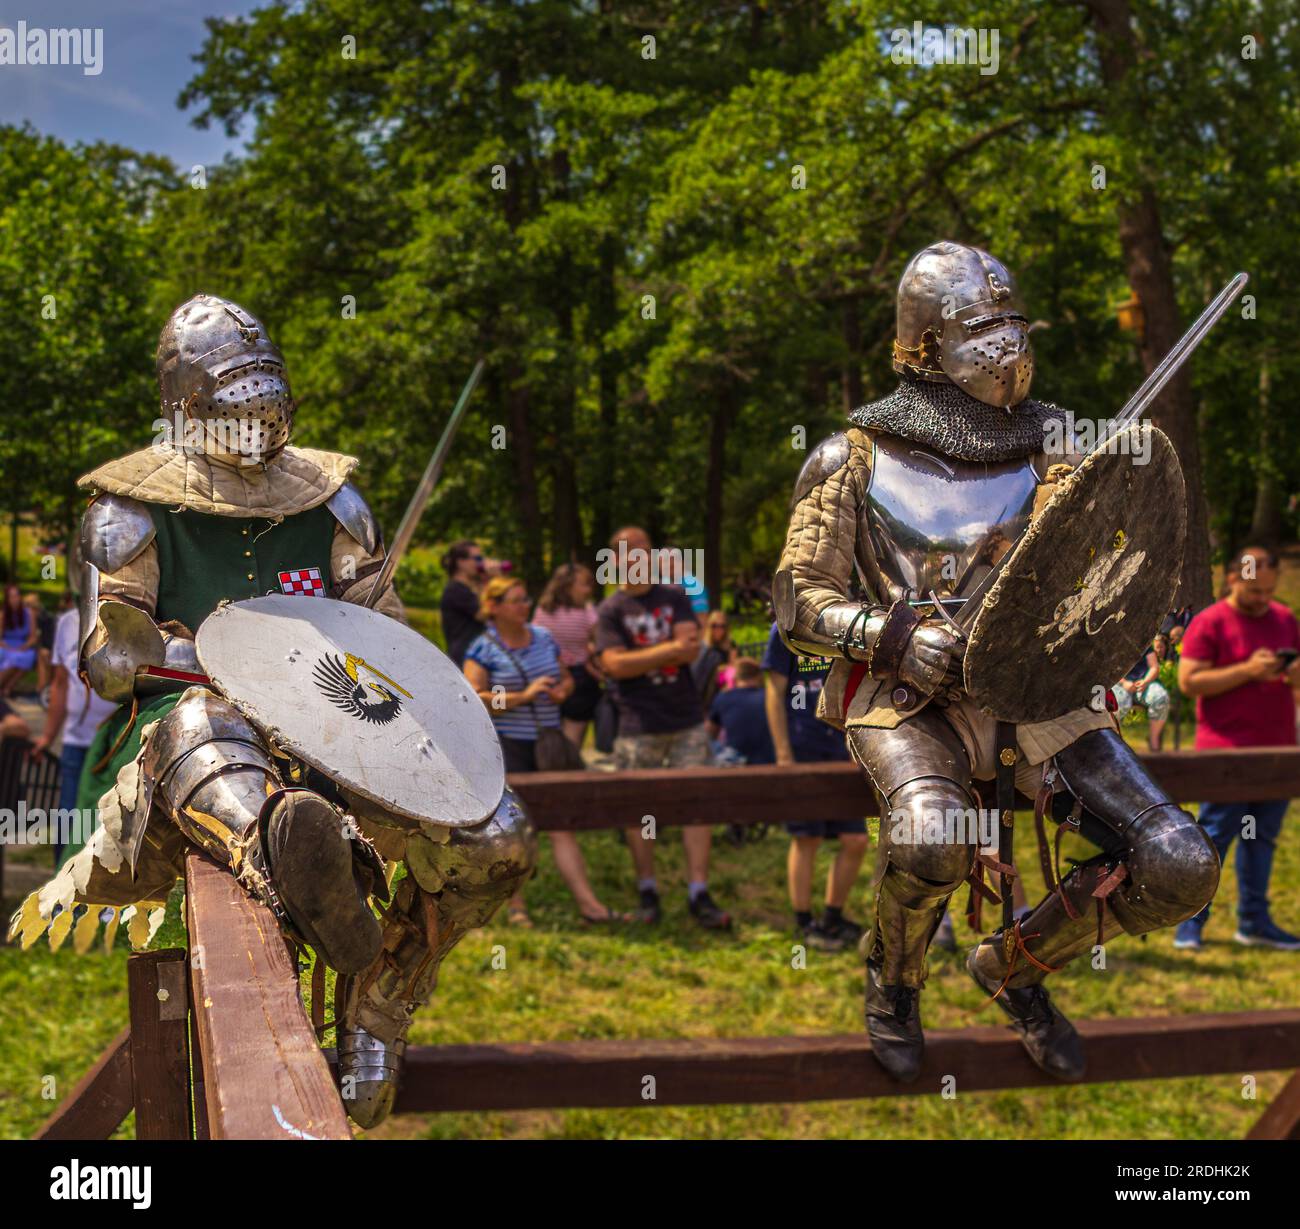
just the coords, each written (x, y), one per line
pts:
(362, 698)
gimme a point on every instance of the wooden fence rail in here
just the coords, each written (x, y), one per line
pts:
(220, 1046)
(770, 794)
(736, 1071)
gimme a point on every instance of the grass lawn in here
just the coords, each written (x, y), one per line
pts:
(564, 981)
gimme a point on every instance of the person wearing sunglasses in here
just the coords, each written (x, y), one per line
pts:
(466, 573)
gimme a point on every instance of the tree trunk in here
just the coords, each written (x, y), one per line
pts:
(602, 523)
(719, 423)
(524, 454)
(565, 515)
(1146, 258)
(1266, 521)
(851, 325)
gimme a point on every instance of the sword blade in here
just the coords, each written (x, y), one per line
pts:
(432, 472)
(1164, 371)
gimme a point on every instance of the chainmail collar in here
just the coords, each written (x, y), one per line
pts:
(954, 422)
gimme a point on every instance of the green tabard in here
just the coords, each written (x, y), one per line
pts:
(204, 559)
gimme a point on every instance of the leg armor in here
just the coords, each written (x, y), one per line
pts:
(922, 774)
(213, 775)
(1157, 867)
(449, 890)
(218, 783)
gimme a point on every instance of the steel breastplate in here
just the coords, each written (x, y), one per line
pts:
(933, 522)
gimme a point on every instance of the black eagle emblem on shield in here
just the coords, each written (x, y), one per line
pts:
(342, 688)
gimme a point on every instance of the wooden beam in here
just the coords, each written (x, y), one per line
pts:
(1282, 1118)
(100, 1101)
(678, 796)
(198, 1085)
(160, 1057)
(735, 1071)
(263, 1071)
(768, 793)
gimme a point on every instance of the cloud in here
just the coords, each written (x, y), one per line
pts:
(99, 93)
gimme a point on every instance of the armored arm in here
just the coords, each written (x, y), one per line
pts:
(119, 591)
(810, 590)
(358, 553)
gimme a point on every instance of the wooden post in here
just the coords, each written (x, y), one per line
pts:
(1282, 1118)
(198, 1085)
(99, 1101)
(160, 1058)
(264, 1076)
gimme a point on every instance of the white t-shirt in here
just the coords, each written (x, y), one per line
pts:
(83, 719)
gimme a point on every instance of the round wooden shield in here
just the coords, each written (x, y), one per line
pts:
(361, 697)
(1087, 586)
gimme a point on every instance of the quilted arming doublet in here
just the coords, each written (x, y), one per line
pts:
(296, 480)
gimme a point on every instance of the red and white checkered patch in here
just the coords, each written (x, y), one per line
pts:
(305, 581)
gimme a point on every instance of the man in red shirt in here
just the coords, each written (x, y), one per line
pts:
(1240, 661)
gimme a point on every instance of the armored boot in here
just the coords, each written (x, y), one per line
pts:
(450, 888)
(289, 847)
(893, 1019)
(1011, 967)
(322, 885)
(1048, 1037)
(908, 912)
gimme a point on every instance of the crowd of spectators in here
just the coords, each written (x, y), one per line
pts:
(667, 686)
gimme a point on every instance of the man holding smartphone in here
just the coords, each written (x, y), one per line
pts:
(1239, 660)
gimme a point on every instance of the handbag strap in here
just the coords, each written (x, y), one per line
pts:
(523, 674)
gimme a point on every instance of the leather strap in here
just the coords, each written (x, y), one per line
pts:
(1019, 949)
(364, 572)
(1007, 750)
(886, 656)
(1106, 884)
(318, 998)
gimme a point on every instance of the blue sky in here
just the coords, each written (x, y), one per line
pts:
(147, 45)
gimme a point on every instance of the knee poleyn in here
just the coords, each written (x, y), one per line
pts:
(478, 868)
(932, 832)
(1173, 868)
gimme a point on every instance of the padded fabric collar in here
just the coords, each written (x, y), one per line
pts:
(294, 481)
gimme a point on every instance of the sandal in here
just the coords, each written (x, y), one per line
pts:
(517, 915)
(610, 918)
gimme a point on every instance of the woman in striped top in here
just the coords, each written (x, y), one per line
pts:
(566, 610)
(515, 668)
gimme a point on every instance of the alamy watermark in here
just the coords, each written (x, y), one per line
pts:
(665, 565)
(131, 1184)
(1062, 436)
(37, 826)
(242, 437)
(32, 45)
(929, 45)
(950, 826)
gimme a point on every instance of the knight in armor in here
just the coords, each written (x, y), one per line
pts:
(222, 507)
(895, 518)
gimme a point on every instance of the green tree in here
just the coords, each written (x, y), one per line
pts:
(74, 285)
